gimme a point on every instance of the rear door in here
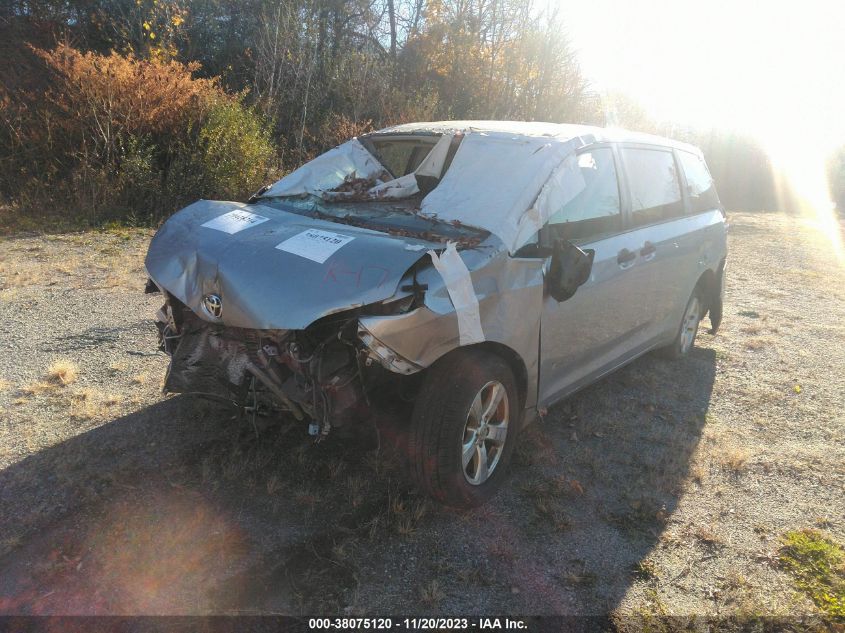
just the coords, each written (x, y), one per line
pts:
(672, 216)
(607, 319)
(657, 209)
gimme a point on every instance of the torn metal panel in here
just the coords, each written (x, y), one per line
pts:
(495, 179)
(401, 187)
(432, 165)
(565, 182)
(351, 172)
(387, 357)
(510, 299)
(328, 171)
(507, 181)
(514, 128)
(263, 284)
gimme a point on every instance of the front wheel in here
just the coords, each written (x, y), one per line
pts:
(464, 427)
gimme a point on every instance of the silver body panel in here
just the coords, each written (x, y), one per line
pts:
(266, 288)
(618, 314)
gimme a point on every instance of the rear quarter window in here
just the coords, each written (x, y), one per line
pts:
(700, 185)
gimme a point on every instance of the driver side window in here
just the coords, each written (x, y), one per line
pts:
(595, 209)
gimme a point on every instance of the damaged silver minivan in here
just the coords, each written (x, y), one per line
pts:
(460, 275)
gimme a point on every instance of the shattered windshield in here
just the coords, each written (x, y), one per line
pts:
(400, 155)
(374, 167)
(396, 217)
(505, 184)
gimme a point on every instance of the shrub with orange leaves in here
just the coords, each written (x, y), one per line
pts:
(102, 136)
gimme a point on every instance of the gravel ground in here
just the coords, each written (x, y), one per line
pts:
(663, 489)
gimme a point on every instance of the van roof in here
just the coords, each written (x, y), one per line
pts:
(560, 131)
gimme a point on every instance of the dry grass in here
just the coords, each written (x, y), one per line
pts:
(117, 263)
(735, 460)
(140, 379)
(92, 404)
(431, 594)
(63, 371)
(708, 535)
(39, 388)
(757, 344)
(406, 515)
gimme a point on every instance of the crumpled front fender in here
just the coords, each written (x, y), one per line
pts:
(510, 298)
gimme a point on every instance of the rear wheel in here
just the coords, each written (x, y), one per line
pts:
(464, 428)
(685, 339)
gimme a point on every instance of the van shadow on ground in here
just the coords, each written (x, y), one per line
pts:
(179, 508)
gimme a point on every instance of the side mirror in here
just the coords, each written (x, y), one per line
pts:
(570, 268)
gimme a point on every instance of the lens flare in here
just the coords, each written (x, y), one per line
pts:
(802, 187)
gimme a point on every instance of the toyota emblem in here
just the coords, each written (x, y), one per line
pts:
(213, 305)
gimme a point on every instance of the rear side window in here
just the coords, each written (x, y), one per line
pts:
(700, 185)
(596, 208)
(654, 185)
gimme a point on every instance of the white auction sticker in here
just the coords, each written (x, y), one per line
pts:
(314, 244)
(235, 221)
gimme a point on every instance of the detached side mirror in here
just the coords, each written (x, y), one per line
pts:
(570, 269)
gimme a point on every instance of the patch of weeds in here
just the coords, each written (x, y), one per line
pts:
(751, 314)
(548, 510)
(708, 535)
(578, 579)
(756, 344)
(534, 447)
(84, 406)
(406, 514)
(818, 565)
(431, 594)
(644, 569)
(734, 460)
(698, 473)
(722, 355)
(38, 388)
(273, 484)
(63, 371)
(654, 604)
(473, 576)
(357, 487)
(644, 515)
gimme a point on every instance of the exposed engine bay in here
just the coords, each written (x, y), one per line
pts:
(323, 375)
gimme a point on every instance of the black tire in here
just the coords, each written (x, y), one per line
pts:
(716, 306)
(681, 347)
(439, 426)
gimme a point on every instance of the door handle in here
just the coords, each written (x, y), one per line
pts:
(625, 258)
(648, 250)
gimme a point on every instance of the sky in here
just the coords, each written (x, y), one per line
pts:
(774, 69)
(771, 69)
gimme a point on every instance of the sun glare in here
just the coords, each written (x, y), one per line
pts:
(770, 70)
(800, 177)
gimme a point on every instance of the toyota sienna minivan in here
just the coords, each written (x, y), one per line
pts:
(460, 275)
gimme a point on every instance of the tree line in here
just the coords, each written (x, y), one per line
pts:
(130, 108)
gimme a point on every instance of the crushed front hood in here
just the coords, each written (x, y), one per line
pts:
(263, 284)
